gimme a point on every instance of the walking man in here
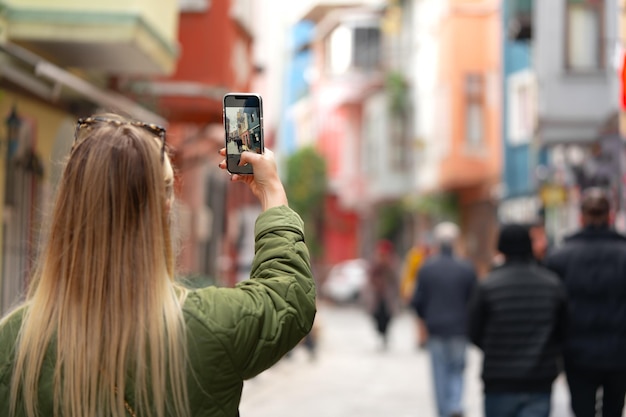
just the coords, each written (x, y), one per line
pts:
(592, 265)
(517, 318)
(444, 286)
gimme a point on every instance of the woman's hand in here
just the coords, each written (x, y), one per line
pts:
(264, 183)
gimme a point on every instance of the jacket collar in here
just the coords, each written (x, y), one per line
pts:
(516, 263)
(446, 250)
(595, 232)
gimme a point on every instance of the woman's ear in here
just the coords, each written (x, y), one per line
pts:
(169, 185)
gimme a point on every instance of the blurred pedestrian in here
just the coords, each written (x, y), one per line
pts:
(445, 284)
(539, 240)
(106, 331)
(592, 265)
(383, 288)
(517, 318)
(413, 261)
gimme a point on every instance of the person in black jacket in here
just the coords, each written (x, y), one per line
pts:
(444, 286)
(592, 265)
(517, 318)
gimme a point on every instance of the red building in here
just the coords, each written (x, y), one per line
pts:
(348, 63)
(215, 41)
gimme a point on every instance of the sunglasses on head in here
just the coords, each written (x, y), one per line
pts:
(156, 130)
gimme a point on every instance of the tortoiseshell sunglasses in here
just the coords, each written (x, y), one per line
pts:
(154, 129)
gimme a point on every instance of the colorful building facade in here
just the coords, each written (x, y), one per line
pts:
(459, 64)
(165, 61)
(347, 115)
(216, 57)
(520, 198)
(57, 63)
(575, 48)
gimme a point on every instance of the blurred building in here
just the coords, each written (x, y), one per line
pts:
(352, 109)
(298, 127)
(520, 199)
(621, 27)
(215, 216)
(58, 61)
(402, 100)
(342, 82)
(574, 47)
(457, 72)
(162, 61)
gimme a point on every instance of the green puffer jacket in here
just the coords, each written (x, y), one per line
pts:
(233, 333)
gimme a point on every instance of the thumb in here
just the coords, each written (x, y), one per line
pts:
(248, 157)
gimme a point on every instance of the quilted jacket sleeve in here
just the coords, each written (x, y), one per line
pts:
(9, 330)
(262, 318)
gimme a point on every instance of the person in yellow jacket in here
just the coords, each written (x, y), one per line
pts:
(413, 261)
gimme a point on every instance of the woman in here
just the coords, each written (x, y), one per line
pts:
(105, 331)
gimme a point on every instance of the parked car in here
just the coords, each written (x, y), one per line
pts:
(346, 280)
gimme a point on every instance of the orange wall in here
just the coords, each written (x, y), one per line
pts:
(470, 43)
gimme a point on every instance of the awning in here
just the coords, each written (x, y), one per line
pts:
(45, 70)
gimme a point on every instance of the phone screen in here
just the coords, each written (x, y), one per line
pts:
(243, 126)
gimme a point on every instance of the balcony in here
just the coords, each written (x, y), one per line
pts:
(131, 37)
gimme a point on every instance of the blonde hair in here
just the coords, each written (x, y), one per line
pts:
(103, 304)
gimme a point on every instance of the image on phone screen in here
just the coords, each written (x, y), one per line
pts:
(243, 129)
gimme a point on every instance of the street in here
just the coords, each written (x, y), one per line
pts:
(352, 376)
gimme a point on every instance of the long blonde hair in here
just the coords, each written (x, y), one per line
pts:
(103, 304)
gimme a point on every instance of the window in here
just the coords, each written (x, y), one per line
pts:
(474, 109)
(521, 92)
(366, 48)
(519, 19)
(354, 46)
(584, 51)
(194, 5)
(340, 50)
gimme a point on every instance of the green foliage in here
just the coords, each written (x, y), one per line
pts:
(306, 189)
(397, 89)
(390, 220)
(442, 206)
(306, 180)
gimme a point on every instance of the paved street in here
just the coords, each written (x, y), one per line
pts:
(352, 376)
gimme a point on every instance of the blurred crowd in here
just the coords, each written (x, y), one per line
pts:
(539, 312)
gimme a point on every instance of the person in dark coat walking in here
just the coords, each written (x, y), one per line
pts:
(592, 265)
(444, 286)
(517, 318)
(384, 289)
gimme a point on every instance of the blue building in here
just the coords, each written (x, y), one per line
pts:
(522, 157)
(296, 84)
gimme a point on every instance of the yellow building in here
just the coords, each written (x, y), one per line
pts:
(58, 61)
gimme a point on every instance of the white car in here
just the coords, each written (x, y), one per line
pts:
(346, 280)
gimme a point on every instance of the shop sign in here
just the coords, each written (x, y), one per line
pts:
(553, 195)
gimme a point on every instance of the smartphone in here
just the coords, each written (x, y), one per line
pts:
(243, 129)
